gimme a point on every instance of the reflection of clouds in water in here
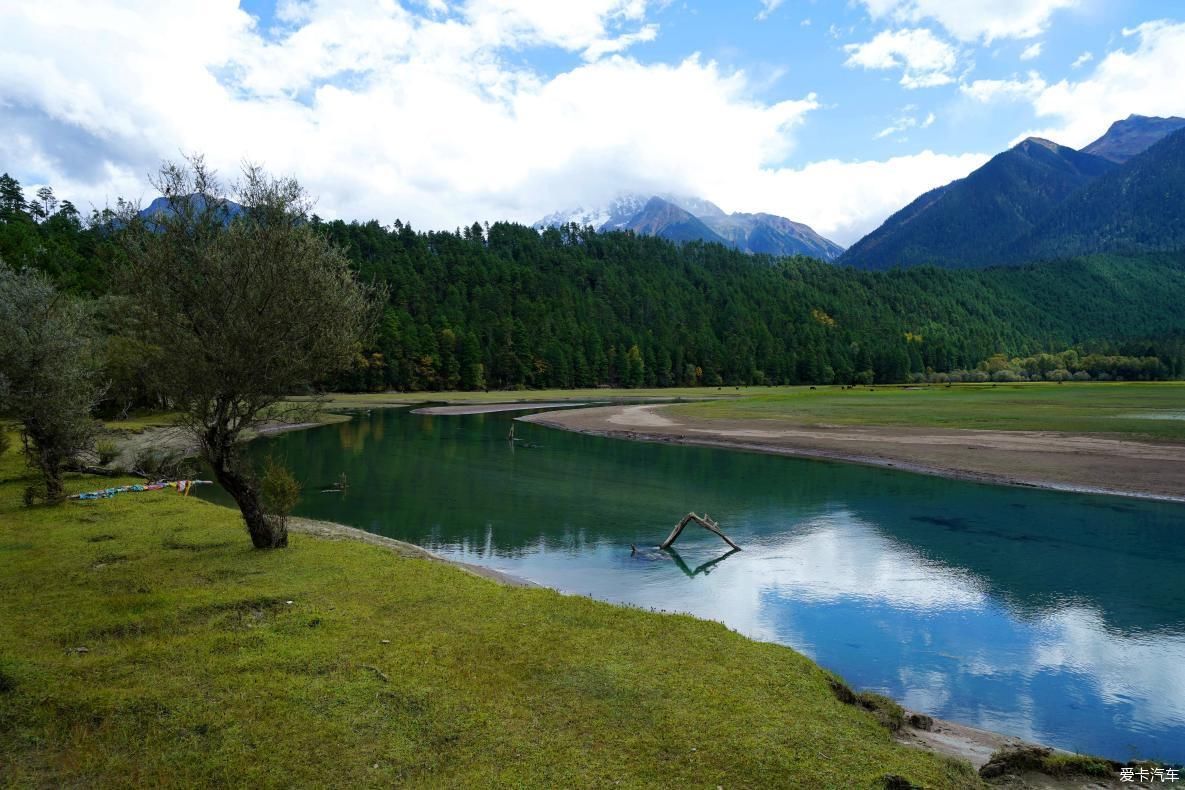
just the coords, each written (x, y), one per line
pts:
(839, 557)
(1146, 672)
(924, 689)
(926, 632)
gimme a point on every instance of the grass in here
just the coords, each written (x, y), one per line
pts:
(145, 643)
(1039, 759)
(1152, 410)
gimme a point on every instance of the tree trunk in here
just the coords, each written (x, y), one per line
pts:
(47, 462)
(52, 472)
(266, 533)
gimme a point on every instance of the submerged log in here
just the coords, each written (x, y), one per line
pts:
(704, 521)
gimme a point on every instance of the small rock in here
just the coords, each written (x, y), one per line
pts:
(79, 650)
(920, 721)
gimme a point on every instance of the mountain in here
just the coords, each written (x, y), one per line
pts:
(1136, 207)
(770, 234)
(161, 206)
(613, 216)
(972, 222)
(1041, 199)
(1131, 136)
(664, 219)
(682, 219)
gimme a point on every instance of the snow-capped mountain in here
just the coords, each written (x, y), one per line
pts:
(681, 218)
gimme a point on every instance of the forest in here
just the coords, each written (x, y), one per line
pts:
(504, 306)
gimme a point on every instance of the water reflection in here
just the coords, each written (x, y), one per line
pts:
(703, 567)
(1048, 616)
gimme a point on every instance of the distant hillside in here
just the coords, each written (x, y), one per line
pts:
(1132, 136)
(972, 222)
(682, 219)
(1039, 199)
(1137, 207)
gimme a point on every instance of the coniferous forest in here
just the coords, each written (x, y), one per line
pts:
(505, 306)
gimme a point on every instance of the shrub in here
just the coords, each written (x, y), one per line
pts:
(887, 712)
(280, 491)
(157, 464)
(107, 450)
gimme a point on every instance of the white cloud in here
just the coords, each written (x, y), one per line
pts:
(971, 20)
(767, 8)
(842, 200)
(1031, 51)
(904, 122)
(1144, 81)
(384, 112)
(925, 59)
(988, 91)
(1082, 60)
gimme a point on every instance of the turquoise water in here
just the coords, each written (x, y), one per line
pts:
(1055, 617)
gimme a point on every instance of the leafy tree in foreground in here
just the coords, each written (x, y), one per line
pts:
(249, 308)
(48, 372)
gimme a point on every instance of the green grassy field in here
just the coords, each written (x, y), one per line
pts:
(145, 643)
(1154, 410)
(1150, 410)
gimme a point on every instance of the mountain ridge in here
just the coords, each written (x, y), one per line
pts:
(1000, 213)
(683, 218)
(1132, 136)
(1008, 195)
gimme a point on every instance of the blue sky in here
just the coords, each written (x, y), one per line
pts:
(442, 113)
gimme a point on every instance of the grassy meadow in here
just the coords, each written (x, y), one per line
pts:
(1147, 410)
(146, 643)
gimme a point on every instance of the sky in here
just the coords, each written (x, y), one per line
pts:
(442, 113)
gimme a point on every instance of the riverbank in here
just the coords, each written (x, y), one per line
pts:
(146, 643)
(1044, 459)
(938, 736)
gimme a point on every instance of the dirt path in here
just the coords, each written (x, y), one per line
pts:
(1068, 462)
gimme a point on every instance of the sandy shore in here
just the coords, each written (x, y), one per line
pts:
(1066, 462)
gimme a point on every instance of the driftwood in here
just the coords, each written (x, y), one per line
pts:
(87, 469)
(704, 521)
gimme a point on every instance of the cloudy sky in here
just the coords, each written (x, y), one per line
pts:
(441, 113)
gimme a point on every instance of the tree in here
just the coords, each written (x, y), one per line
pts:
(635, 368)
(249, 306)
(48, 372)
